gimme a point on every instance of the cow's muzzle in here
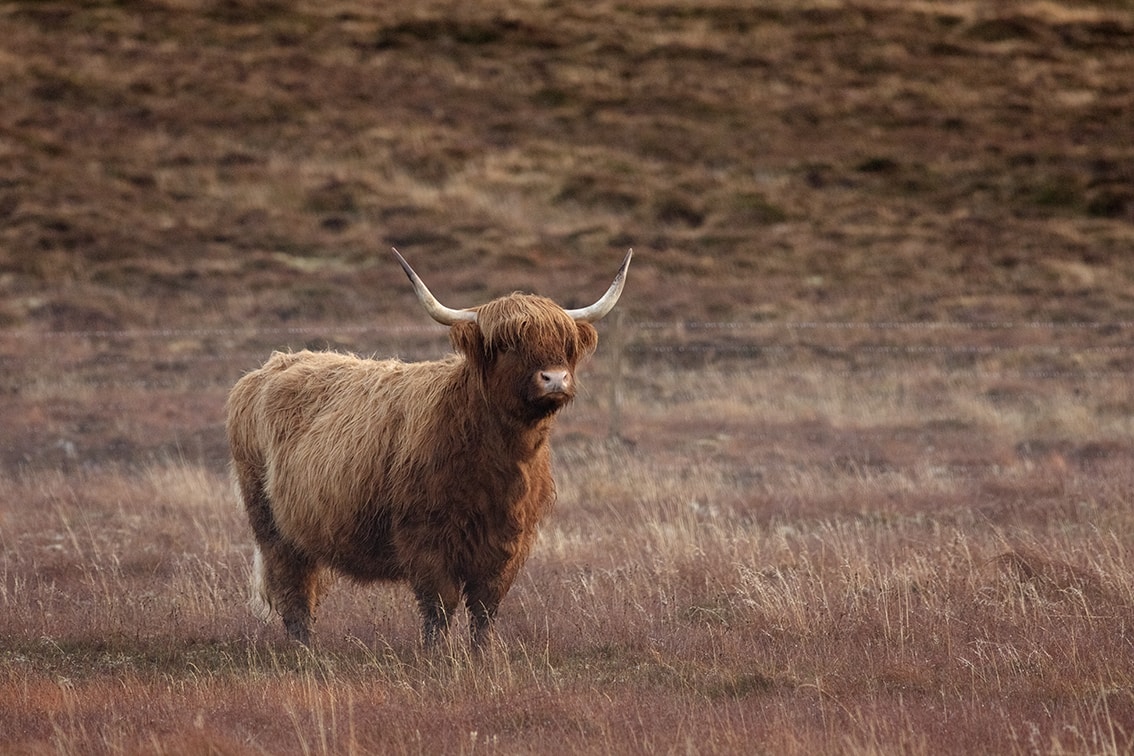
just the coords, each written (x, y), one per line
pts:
(553, 382)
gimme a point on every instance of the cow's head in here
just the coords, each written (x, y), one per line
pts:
(525, 347)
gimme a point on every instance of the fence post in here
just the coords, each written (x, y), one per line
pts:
(617, 344)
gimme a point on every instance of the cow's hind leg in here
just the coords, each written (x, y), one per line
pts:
(283, 579)
(290, 582)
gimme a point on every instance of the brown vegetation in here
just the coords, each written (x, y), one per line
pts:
(868, 489)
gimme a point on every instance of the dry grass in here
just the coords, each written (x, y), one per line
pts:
(793, 593)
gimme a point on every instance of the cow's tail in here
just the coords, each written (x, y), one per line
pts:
(259, 601)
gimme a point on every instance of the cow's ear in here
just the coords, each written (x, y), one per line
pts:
(468, 340)
(588, 339)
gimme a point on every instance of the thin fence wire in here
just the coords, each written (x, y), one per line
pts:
(644, 325)
(769, 345)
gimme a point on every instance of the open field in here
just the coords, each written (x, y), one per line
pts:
(851, 471)
(922, 562)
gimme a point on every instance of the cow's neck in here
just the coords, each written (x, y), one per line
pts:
(522, 438)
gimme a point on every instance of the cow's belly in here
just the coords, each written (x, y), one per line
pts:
(348, 539)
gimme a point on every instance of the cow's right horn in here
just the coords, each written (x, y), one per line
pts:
(439, 312)
(606, 303)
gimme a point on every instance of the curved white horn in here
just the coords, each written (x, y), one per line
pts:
(606, 303)
(439, 312)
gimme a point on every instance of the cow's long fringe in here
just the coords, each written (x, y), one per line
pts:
(259, 602)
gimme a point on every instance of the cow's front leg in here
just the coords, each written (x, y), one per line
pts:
(436, 604)
(482, 600)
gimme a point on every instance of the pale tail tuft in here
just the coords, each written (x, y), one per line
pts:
(259, 601)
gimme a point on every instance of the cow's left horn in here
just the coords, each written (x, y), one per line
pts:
(599, 309)
(439, 312)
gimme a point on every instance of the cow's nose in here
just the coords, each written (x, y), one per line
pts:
(554, 381)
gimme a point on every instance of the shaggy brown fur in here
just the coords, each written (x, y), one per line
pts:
(434, 473)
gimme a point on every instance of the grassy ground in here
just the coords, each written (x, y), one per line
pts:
(883, 570)
(852, 474)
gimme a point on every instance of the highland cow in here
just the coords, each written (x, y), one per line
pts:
(432, 473)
